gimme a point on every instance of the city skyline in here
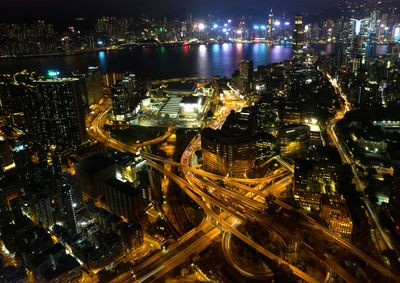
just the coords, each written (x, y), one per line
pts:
(250, 145)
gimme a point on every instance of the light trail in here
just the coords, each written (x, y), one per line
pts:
(190, 190)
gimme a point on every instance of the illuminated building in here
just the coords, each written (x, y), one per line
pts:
(372, 34)
(316, 175)
(125, 97)
(293, 113)
(130, 168)
(68, 208)
(123, 199)
(246, 73)
(242, 30)
(92, 82)
(231, 152)
(246, 70)
(191, 106)
(294, 139)
(358, 37)
(270, 25)
(244, 120)
(267, 117)
(336, 214)
(127, 166)
(298, 33)
(55, 113)
(396, 33)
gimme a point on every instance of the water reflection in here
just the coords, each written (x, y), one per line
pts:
(162, 62)
(102, 60)
(203, 63)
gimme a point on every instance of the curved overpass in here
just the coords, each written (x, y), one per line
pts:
(95, 124)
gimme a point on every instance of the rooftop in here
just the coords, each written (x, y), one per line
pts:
(124, 187)
(95, 163)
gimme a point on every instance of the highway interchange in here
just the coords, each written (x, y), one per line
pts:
(240, 199)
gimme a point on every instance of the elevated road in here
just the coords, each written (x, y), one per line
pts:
(192, 191)
(95, 125)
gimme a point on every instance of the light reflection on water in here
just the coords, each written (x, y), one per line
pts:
(160, 62)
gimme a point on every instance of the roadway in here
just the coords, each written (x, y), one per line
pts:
(347, 158)
(95, 128)
(311, 222)
(197, 195)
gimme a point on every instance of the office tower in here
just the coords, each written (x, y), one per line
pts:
(67, 207)
(335, 212)
(55, 113)
(382, 28)
(123, 199)
(294, 139)
(298, 33)
(371, 36)
(230, 152)
(92, 83)
(267, 117)
(270, 25)
(357, 38)
(128, 166)
(125, 96)
(242, 32)
(245, 120)
(246, 70)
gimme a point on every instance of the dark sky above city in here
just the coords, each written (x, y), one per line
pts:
(20, 9)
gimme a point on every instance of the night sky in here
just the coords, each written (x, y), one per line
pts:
(20, 9)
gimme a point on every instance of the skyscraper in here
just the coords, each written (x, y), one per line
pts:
(298, 33)
(229, 152)
(92, 83)
(123, 199)
(246, 70)
(125, 96)
(371, 36)
(68, 208)
(55, 113)
(357, 43)
(270, 25)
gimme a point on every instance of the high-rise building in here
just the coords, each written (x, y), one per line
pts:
(270, 25)
(294, 139)
(55, 113)
(123, 199)
(337, 216)
(246, 70)
(92, 83)
(231, 152)
(92, 172)
(68, 208)
(357, 43)
(298, 33)
(125, 96)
